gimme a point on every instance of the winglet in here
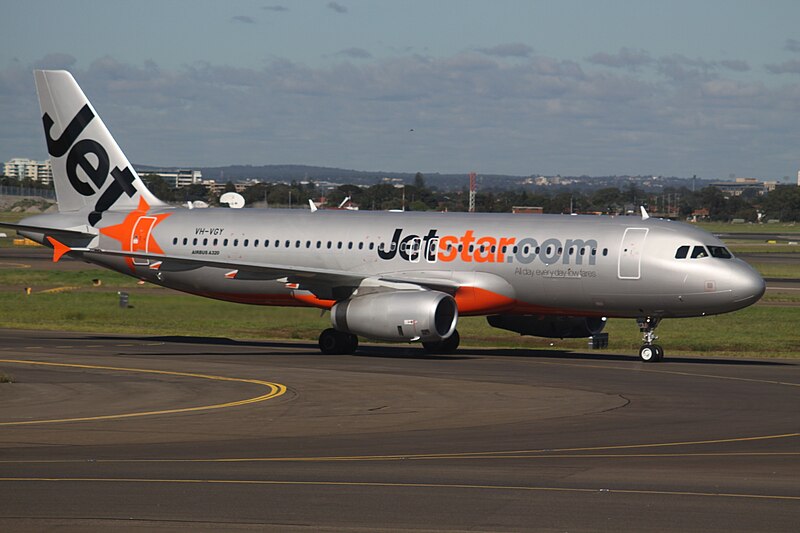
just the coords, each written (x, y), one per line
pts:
(59, 249)
(645, 216)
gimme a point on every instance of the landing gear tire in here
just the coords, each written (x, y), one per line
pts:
(651, 353)
(333, 342)
(659, 352)
(446, 346)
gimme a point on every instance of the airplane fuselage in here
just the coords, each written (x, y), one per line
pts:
(519, 264)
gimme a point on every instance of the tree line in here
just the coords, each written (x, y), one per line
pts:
(782, 203)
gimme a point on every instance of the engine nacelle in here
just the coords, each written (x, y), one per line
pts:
(398, 316)
(561, 327)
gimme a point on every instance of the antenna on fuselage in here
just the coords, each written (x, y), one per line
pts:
(645, 216)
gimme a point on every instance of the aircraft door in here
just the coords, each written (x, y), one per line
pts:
(630, 253)
(140, 237)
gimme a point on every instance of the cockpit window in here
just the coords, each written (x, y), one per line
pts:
(698, 252)
(682, 252)
(719, 251)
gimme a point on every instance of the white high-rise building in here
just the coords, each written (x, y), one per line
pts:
(21, 169)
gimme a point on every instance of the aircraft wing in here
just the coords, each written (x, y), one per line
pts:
(264, 270)
(304, 276)
(49, 231)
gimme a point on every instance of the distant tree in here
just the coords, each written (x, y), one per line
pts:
(783, 203)
(419, 181)
(158, 186)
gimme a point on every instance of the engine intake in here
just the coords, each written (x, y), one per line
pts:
(561, 327)
(398, 316)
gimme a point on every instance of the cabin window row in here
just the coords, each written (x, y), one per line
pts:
(699, 252)
(277, 243)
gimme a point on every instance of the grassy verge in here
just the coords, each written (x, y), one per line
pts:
(724, 227)
(760, 331)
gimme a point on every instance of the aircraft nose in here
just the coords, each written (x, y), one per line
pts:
(748, 285)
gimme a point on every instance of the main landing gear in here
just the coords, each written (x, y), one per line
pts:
(446, 346)
(333, 342)
(649, 352)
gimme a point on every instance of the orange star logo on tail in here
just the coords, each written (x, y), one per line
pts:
(135, 232)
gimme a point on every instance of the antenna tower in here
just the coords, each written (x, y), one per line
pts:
(473, 187)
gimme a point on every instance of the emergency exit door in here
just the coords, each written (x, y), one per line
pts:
(630, 253)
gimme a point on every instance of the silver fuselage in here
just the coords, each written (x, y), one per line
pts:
(548, 264)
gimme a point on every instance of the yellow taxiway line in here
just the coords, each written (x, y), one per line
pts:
(275, 390)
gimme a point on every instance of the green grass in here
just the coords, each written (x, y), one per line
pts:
(759, 331)
(777, 270)
(13, 278)
(724, 227)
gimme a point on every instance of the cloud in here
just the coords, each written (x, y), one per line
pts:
(787, 67)
(244, 19)
(336, 6)
(625, 58)
(792, 45)
(681, 68)
(469, 110)
(354, 53)
(276, 8)
(508, 50)
(55, 61)
(735, 64)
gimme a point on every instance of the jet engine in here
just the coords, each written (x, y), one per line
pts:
(561, 327)
(426, 316)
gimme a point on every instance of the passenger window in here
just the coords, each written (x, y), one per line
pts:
(350, 245)
(266, 243)
(361, 246)
(205, 242)
(297, 244)
(682, 252)
(698, 252)
(236, 242)
(288, 244)
(216, 241)
(255, 243)
(308, 244)
(329, 245)
(605, 252)
(319, 244)
(225, 242)
(194, 242)
(175, 241)
(372, 246)
(185, 241)
(246, 242)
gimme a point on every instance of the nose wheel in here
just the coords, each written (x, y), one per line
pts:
(649, 352)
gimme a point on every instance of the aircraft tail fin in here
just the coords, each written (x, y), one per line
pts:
(90, 172)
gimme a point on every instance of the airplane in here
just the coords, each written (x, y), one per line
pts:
(402, 277)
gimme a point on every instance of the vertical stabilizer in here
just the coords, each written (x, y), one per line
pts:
(90, 172)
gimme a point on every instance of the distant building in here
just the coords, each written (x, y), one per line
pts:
(21, 169)
(742, 186)
(175, 179)
(527, 210)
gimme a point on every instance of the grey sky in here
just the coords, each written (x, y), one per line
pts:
(674, 88)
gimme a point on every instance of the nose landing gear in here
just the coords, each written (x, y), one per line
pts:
(649, 352)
